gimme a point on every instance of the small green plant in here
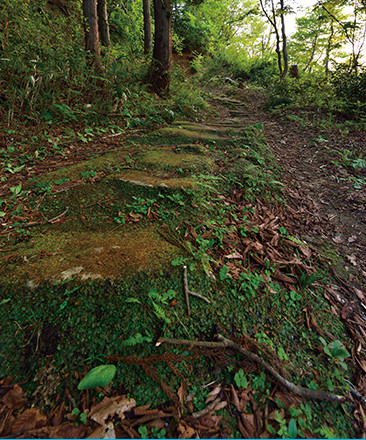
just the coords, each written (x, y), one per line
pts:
(240, 379)
(81, 416)
(140, 205)
(336, 350)
(285, 430)
(250, 283)
(305, 280)
(88, 174)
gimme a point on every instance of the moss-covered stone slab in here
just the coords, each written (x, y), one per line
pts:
(152, 180)
(191, 132)
(168, 158)
(56, 256)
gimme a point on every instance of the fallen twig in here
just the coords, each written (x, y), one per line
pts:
(54, 219)
(206, 410)
(227, 343)
(186, 291)
(199, 296)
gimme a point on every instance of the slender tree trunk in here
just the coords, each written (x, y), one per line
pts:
(162, 54)
(278, 48)
(147, 27)
(328, 49)
(103, 23)
(284, 42)
(273, 23)
(312, 53)
(91, 28)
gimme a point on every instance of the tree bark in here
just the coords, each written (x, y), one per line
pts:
(147, 27)
(273, 23)
(284, 42)
(91, 28)
(103, 24)
(162, 54)
(312, 53)
(329, 49)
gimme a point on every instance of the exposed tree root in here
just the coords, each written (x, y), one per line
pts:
(227, 343)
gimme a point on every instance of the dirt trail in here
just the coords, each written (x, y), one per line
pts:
(328, 212)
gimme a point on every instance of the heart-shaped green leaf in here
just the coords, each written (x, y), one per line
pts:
(98, 377)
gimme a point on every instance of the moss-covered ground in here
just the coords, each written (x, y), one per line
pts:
(96, 277)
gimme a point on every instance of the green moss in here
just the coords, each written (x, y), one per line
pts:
(192, 133)
(168, 158)
(57, 255)
(97, 164)
(153, 179)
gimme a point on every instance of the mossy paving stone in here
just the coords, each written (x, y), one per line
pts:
(88, 255)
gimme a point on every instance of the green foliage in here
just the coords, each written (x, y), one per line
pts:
(98, 377)
(240, 379)
(337, 351)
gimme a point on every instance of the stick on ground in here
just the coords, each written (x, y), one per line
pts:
(227, 343)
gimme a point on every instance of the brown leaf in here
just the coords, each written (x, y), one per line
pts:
(359, 294)
(234, 255)
(68, 430)
(361, 363)
(213, 394)
(182, 395)
(185, 431)
(29, 419)
(109, 407)
(248, 422)
(234, 398)
(14, 398)
(144, 410)
(338, 239)
(104, 432)
(352, 259)
(287, 399)
(282, 277)
(306, 251)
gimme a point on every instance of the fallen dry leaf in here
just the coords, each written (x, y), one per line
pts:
(352, 259)
(359, 294)
(338, 239)
(104, 432)
(14, 398)
(185, 431)
(29, 419)
(234, 255)
(109, 407)
(213, 394)
(181, 395)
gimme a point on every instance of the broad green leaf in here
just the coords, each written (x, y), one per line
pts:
(98, 377)
(292, 429)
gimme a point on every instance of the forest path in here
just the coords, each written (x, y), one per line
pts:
(112, 232)
(328, 212)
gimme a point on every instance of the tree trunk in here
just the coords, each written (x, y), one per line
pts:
(91, 28)
(273, 23)
(284, 42)
(103, 24)
(147, 27)
(329, 49)
(312, 53)
(162, 54)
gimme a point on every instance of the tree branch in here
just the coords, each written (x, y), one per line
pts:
(227, 343)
